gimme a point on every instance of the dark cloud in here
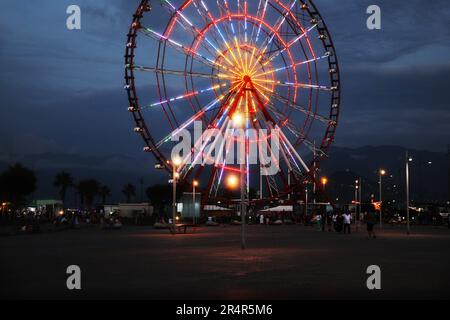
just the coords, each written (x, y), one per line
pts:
(62, 90)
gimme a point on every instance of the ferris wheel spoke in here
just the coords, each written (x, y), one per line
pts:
(302, 109)
(261, 20)
(271, 36)
(276, 53)
(182, 49)
(176, 72)
(187, 95)
(293, 150)
(209, 107)
(190, 121)
(326, 55)
(298, 85)
(204, 12)
(286, 122)
(194, 30)
(254, 24)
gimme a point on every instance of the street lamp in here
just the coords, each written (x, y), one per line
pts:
(239, 120)
(176, 162)
(233, 183)
(306, 202)
(408, 160)
(195, 184)
(356, 199)
(324, 181)
(382, 173)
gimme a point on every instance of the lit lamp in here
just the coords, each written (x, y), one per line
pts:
(238, 120)
(195, 184)
(232, 181)
(176, 162)
(324, 181)
(381, 174)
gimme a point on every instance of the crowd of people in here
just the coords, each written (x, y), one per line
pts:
(341, 222)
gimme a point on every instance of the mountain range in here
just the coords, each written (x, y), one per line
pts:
(429, 172)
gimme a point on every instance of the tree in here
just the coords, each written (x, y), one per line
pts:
(105, 192)
(88, 190)
(160, 196)
(16, 183)
(129, 191)
(63, 181)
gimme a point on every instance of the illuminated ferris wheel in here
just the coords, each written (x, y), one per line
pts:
(265, 63)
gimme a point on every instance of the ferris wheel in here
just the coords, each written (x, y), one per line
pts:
(269, 63)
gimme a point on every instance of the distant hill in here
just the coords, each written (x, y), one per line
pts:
(428, 182)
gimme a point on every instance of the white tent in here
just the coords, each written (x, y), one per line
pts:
(279, 209)
(215, 208)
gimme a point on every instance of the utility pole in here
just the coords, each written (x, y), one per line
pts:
(407, 160)
(448, 173)
(314, 172)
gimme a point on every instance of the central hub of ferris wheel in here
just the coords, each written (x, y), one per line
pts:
(262, 64)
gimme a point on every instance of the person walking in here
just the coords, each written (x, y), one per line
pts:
(335, 221)
(318, 221)
(339, 223)
(371, 220)
(329, 221)
(347, 222)
(323, 220)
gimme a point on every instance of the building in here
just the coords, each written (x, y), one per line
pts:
(132, 210)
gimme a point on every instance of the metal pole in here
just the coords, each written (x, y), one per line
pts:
(306, 202)
(243, 209)
(174, 200)
(193, 202)
(407, 194)
(289, 183)
(360, 197)
(381, 201)
(314, 173)
(448, 171)
(260, 183)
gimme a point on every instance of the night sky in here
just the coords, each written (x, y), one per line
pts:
(62, 91)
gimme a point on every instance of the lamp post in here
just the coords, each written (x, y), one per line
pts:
(239, 121)
(194, 185)
(356, 199)
(324, 182)
(306, 202)
(382, 172)
(360, 197)
(408, 160)
(233, 183)
(176, 162)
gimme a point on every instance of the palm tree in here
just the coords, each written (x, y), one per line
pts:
(105, 192)
(16, 184)
(129, 191)
(88, 190)
(63, 181)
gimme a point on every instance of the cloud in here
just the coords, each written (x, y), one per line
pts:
(64, 88)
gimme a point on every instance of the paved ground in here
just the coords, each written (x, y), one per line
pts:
(286, 262)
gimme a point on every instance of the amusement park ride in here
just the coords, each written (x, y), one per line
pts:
(268, 63)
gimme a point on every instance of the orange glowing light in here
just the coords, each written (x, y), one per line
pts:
(232, 181)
